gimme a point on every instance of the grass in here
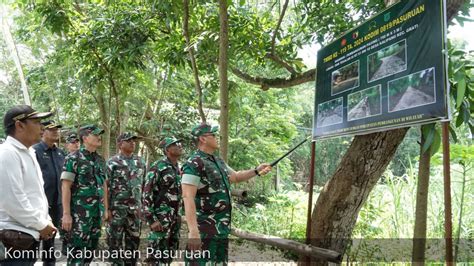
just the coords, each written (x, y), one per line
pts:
(386, 220)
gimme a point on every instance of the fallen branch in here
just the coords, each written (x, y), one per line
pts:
(297, 247)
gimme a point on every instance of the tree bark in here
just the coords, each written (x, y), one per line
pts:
(422, 188)
(341, 199)
(223, 80)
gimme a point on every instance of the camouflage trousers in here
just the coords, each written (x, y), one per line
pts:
(84, 235)
(165, 241)
(123, 233)
(214, 250)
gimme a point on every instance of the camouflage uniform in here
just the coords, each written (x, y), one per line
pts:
(213, 203)
(162, 202)
(125, 177)
(72, 137)
(87, 172)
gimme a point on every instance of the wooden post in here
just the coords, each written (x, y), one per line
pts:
(448, 234)
(277, 178)
(310, 196)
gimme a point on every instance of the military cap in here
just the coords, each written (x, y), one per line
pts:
(167, 141)
(51, 124)
(71, 138)
(91, 129)
(126, 136)
(22, 112)
(202, 129)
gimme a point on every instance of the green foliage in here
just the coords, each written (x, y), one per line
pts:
(461, 79)
(389, 211)
(323, 21)
(280, 216)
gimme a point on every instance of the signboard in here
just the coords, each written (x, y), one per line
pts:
(389, 72)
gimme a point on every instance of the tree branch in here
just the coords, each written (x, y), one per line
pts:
(267, 83)
(272, 55)
(197, 83)
(453, 7)
(277, 28)
(275, 58)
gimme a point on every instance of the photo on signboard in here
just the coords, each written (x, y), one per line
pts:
(413, 90)
(364, 103)
(345, 78)
(387, 61)
(330, 112)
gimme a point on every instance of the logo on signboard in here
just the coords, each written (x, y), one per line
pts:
(355, 35)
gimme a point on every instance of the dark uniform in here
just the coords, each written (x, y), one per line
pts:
(210, 174)
(87, 172)
(125, 176)
(161, 202)
(51, 161)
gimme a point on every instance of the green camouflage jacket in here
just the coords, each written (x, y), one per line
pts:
(213, 204)
(125, 176)
(87, 171)
(162, 193)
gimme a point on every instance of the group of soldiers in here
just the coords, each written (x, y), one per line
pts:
(85, 191)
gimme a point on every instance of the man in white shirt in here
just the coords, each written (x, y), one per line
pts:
(24, 218)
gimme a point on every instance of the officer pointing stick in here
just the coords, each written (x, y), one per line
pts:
(206, 195)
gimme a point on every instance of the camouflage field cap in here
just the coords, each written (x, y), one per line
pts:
(50, 124)
(71, 138)
(126, 136)
(91, 129)
(202, 129)
(167, 141)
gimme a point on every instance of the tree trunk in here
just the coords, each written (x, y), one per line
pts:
(105, 123)
(341, 199)
(419, 233)
(16, 58)
(223, 86)
(197, 82)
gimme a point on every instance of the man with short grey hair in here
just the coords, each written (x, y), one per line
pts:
(51, 159)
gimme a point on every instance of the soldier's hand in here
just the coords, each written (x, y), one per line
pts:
(48, 232)
(264, 168)
(156, 226)
(194, 241)
(66, 222)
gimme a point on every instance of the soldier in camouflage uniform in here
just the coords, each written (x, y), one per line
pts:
(125, 175)
(162, 200)
(71, 145)
(206, 195)
(83, 186)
